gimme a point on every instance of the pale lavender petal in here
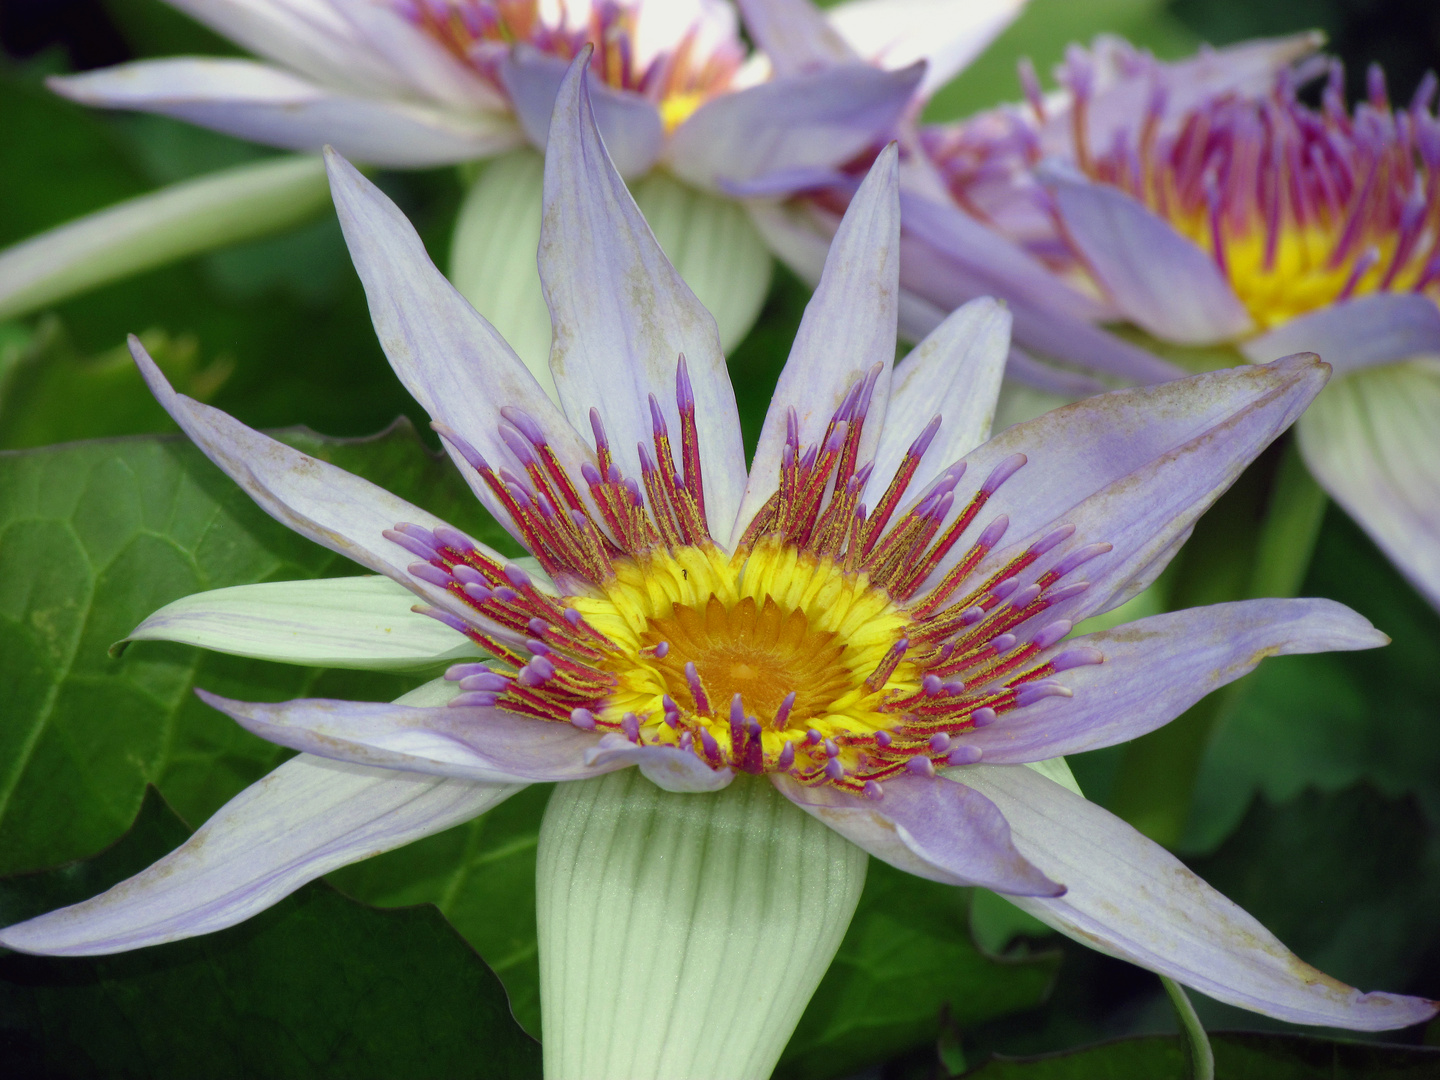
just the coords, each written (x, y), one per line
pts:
(1156, 668)
(308, 817)
(267, 105)
(945, 34)
(1158, 279)
(784, 182)
(848, 328)
(1372, 440)
(622, 316)
(794, 35)
(927, 826)
(797, 122)
(667, 767)
(955, 374)
(1135, 467)
(427, 68)
(465, 743)
(949, 258)
(1145, 512)
(1130, 898)
(1381, 328)
(326, 504)
(454, 363)
(629, 124)
(1069, 385)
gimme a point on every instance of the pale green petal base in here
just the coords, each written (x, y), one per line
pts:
(681, 936)
(160, 228)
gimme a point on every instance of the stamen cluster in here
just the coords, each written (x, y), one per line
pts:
(889, 674)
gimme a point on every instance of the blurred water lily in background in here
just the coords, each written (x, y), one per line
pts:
(892, 671)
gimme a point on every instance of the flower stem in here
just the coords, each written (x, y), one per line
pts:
(1199, 1058)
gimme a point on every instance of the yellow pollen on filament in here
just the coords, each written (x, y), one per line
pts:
(763, 624)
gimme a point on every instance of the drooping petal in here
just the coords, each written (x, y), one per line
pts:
(667, 767)
(794, 35)
(308, 817)
(267, 105)
(1372, 440)
(622, 316)
(157, 228)
(797, 123)
(848, 328)
(930, 827)
(349, 622)
(1158, 279)
(1381, 328)
(629, 124)
(720, 913)
(326, 504)
(949, 258)
(1156, 668)
(1134, 468)
(450, 359)
(1130, 898)
(469, 743)
(955, 374)
(946, 35)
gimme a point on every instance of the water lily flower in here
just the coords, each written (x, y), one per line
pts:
(1203, 203)
(688, 117)
(871, 624)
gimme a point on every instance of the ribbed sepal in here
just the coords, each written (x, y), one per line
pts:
(492, 256)
(681, 935)
(717, 249)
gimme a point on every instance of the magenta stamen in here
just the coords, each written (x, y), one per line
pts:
(1033, 692)
(939, 742)
(486, 681)
(786, 758)
(964, 755)
(432, 574)
(834, 771)
(477, 699)
(1052, 633)
(583, 719)
(1002, 472)
(983, 717)
(630, 725)
(411, 544)
(1083, 656)
(920, 766)
(782, 714)
(697, 690)
(873, 790)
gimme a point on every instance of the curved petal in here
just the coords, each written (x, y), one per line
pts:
(349, 622)
(304, 819)
(1381, 328)
(667, 767)
(1132, 468)
(1130, 898)
(1157, 278)
(328, 505)
(629, 124)
(1372, 440)
(930, 827)
(267, 105)
(798, 122)
(1156, 668)
(425, 66)
(954, 374)
(468, 743)
(451, 360)
(944, 34)
(794, 35)
(622, 316)
(848, 329)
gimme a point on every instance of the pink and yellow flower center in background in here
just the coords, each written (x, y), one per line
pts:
(839, 644)
(1300, 207)
(669, 52)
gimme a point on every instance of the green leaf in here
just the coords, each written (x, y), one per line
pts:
(1238, 1056)
(906, 957)
(317, 985)
(95, 536)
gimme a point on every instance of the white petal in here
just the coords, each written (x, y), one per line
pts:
(795, 35)
(955, 373)
(1130, 898)
(710, 240)
(267, 105)
(349, 622)
(622, 316)
(945, 34)
(159, 228)
(308, 817)
(1372, 440)
(848, 328)
(682, 935)
(492, 257)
